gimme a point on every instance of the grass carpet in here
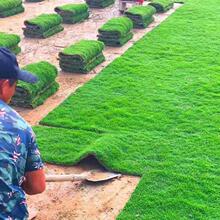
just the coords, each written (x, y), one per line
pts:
(10, 7)
(73, 13)
(31, 95)
(10, 41)
(99, 3)
(141, 16)
(162, 5)
(116, 31)
(82, 56)
(153, 112)
(43, 26)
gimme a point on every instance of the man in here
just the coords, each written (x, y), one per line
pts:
(21, 167)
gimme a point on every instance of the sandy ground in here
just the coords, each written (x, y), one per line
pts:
(82, 200)
(73, 200)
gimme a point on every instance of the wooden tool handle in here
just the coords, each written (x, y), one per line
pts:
(68, 177)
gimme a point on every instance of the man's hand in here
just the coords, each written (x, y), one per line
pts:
(34, 182)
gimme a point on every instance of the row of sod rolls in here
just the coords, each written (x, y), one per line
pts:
(99, 3)
(10, 7)
(116, 32)
(141, 16)
(10, 41)
(73, 13)
(32, 95)
(82, 57)
(43, 26)
(162, 5)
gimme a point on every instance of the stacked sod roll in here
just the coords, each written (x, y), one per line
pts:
(99, 3)
(10, 7)
(43, 26)
(162, 5)
(116, 32)
(141, 16)
(82, 57)
(73, 13)
(31, 95)
(10, 41)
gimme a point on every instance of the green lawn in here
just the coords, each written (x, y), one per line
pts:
(153, 112)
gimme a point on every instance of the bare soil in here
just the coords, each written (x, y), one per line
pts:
(82, 200)
(73, 200)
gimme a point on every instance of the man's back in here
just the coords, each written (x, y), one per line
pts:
(18, 154)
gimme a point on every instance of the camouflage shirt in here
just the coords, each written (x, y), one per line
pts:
(18, 154)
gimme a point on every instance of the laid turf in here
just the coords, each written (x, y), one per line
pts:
(116, 31)
(10, 7)
(10, 41)
(73, 13)
(162, 5)
(32, 95)
(153, 112)
(43, 26)
(141, 16)
(82, 56)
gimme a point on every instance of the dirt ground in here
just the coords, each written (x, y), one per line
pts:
(73, 200)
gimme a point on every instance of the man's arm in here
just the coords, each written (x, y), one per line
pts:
(34, 182)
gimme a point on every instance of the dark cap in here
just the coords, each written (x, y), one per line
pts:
(9, 68)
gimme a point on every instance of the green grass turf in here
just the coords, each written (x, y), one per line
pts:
(141, 11)
(73, 8)
(119, 26)
(43, 26)
(162, 5)
(141, 16)
(45, 21)
(73, 13)
(9, 4)
(153, 112)
(10, 41)
(84, 50)
(32, 95)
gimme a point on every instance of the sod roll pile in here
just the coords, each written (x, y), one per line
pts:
(162, 5)
(141, 16)
(73, 13)
(43, 26)
(31, 95)
(99, 3)
(116, 32)
(10, 41)
(82, 57)
(10, 7)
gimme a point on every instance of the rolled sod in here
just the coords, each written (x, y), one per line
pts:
(99, 3)
(10, 41)
(31, 95)
(10, 7)
(73, 13)
(116, 32)
(43, 26)
(82, 57)
(162, 5)
(141, 16)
